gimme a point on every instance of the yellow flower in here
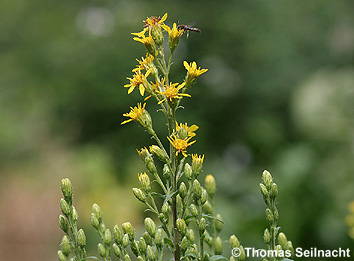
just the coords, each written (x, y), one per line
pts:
(135, 113)
(173, 32)
(180, 145)
(197, 162)
(145, 63)
(155, 20)
(186, 130)
(193, 70)
(148, 41)
(139, 80)
(171, 92)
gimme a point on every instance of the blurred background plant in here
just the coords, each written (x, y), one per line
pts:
(279, 89)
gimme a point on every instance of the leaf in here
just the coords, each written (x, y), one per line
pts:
(217, 257)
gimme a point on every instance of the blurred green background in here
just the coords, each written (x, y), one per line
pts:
(278, 95)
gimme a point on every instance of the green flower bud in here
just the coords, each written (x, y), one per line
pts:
(128, 229)
(140, 258)
(269, 215)
(219, 223)
(102, 227)
(184, 243)
(274, 190)
(166, 171)
(218, 246)
(81, 238)
(107, 237)
(179, 203)
(192, 251)
(143, 153)
(134, 247)
(127, 258)
(65, 245)
(194, 211)
(234, 242)
(202, 224)
(204, 197)
(197, 189)
(207, 238)
(118, 234)
(159, 238)
(139, 194)
(150, 226)
(210, 185)
(161, 154)
(242, 254)
(151, 253)
(65, 208)
(147, 238)
(61, 256)
(63, 223)
(264, 190)
(66, 189)
(283, 241)
(96, 210)
(94, 221)
(276, 214)
(116, 250)
(290, 247)
(75, 216)
(142, 245)
(181, 226)
(150, 165)
(207, 208)
(144, 181)
(125, 240)
(190, 235)
(101, 250)
(188, 171)
(183, 190)
(166, 209)
(267, 178)
(267, 237)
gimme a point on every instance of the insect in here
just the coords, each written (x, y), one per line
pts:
(188, 28)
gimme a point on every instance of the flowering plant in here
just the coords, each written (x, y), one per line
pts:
(184, 224)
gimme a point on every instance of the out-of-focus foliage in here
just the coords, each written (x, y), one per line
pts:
(278, 95)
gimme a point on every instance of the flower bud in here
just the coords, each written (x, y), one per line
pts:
(144, 181)
(65, 208)
(147, 238)
(218, 246)
(197, 189)
(242, 254)
(161, 154)
(190, 235)
(107, 237)
(102, 227)
(139, 194)
(143, 153)
(193, 209)
(96, 210)
(192, 250)
(125, 240)
(266, 236)
(274, 190)
(204, 197)
(202, 224)
(116, 250)
(65, 245)
(94, 221)
(127, 257)
(188, 171)
(197, 163)
(166, 209)
(181, 226)
(276, 214)
(74, 215)
(128, 229)
(142, 245)
(140, 258)
(290, 247)
(166, 171)
(63, 223)
(81, 238)
(207, 208)
(150, 226)
(210, 185)
(61, 256)
(157, 35)
(183, 190)
(66, 189)
(207, 238)
(283, 241)
(264, 190)
(267, 178)
(184, 243)
(118, 234)
(150, 165)
(269, 215)
(151, 253)
(134, 247)
(101, 250)
(234, 242)
(159, 238)
(179, 203)
(219, 223)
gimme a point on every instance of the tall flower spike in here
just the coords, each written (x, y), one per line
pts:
(172, 92)
(180, 145)
(193, 71)
(139, 80)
